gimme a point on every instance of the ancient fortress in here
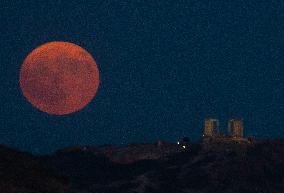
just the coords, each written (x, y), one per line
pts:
(235, 129)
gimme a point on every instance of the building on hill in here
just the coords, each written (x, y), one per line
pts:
(211, 127)
(236, 128)
(211, 133)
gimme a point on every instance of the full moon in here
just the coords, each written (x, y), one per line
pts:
(59, 78)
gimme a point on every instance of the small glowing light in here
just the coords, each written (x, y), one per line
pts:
(178, 142)
(183, 146)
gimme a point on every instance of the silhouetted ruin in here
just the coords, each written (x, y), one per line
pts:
(235, 128)
(211, 127)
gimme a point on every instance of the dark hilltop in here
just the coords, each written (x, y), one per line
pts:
(205, 167)
(217, 163)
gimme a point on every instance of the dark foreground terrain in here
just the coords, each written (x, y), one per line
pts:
(208, 167)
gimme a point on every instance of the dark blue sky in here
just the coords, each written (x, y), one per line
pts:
(164, 67)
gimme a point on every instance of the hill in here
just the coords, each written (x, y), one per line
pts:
(221, 166)
(21, 172)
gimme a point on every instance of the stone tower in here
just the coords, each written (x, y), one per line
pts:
(211, 127)
(236, 128)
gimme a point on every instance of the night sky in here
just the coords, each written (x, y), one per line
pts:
(164, 67)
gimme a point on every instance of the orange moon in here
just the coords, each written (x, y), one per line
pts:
(59, 78)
